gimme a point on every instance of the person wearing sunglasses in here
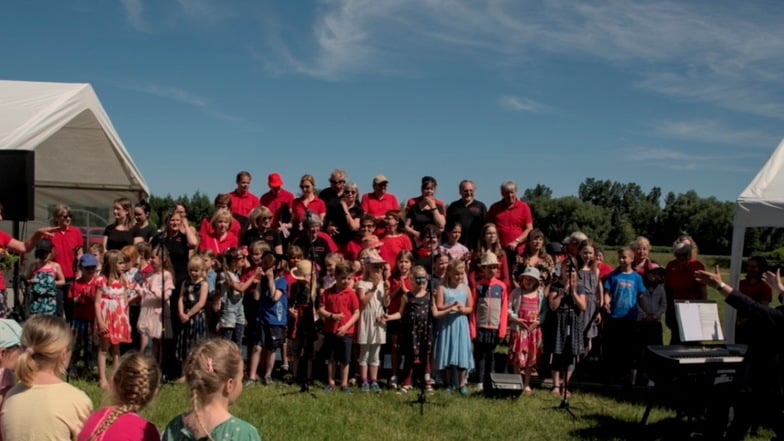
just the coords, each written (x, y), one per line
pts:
(337, 185)
(67, 245)
(679, 281)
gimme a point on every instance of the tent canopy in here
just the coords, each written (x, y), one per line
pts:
(761, 204)
(79, 158)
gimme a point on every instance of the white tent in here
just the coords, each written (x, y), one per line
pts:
(761, 204)
(80, 160)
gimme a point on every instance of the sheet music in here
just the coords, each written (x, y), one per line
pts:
(698, 321)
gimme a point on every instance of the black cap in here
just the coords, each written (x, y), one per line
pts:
(554, 248)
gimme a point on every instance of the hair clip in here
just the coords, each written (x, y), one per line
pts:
(209, 365)
(30, 350)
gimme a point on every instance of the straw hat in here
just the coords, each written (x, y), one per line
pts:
(303, 270)
(489, 259)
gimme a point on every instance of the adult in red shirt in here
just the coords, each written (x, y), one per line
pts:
(67, 242)
(221, 238)
(307, 203)
(378, 202)
(278, 200)
(680, 283)
(513, 220)
(223, 201)
(242, 200)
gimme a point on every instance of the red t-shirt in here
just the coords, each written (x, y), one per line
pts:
(128, 426)
(350, 250)
(510, 221)
(243, 204)
(680, 283)
(393, 246)
(218, 245)
(397, 298)
(299, 207)
(375, 206)
(82, 294)
(64, 243)
(277, 203)
(336, 302)
(759, 291)
(5, 239)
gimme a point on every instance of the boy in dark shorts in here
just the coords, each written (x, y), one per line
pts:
(339, 307)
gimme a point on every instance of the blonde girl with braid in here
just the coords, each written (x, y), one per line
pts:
(133, 385)
(213, 373)
(41, 405)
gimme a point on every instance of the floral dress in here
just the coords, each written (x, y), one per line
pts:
(114, 310)
(525, 346)
(43, 292)
(195, 329)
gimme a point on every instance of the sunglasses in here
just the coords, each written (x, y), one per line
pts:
(339, 181)
(368, 227)
(67, 216)
(349, 192)
(420, 279)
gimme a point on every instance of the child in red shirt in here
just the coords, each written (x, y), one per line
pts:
(82, 296)
(339, 307)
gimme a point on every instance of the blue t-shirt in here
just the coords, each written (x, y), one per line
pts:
(624, 288)
(273, 312)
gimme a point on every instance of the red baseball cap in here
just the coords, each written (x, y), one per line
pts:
(274, 180)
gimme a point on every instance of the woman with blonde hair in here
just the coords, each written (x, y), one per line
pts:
(42, 405)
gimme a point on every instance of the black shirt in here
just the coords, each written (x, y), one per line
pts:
(117, 239)
(471, 217)
(337, 217)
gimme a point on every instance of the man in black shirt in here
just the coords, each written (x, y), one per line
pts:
(469, 213)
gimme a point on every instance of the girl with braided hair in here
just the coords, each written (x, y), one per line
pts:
(213, 373)
(133, 385)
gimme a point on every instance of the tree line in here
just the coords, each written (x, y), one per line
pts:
(610, 212)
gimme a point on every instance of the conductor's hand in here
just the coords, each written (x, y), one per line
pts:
(712, 279)
(773, 280)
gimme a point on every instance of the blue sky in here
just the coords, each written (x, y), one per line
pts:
(680, 95)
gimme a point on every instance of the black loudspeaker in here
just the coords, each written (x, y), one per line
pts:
(505, 386)
(17, 184)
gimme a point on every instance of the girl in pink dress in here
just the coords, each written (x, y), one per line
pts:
(525, 316)
(111, 312)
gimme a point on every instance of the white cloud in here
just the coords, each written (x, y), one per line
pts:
(134, 14)
(712, 52)
(519, 104)
(712, 131)
(673, 159)
(182, 96)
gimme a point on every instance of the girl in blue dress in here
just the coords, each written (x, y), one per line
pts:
(453, 344)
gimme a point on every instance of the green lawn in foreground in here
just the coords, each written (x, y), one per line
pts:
(281, 413)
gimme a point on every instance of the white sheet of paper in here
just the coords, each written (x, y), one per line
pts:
(698, 321)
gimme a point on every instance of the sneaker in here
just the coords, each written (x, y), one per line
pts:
(365, 387)
(268, 381)
(345, 389)
(250, 382)
(480, 387)
(403, 390)
(428, 386)
(284, 367)
(463, 391)
(448, 389)
(329, 388)
(374, 387)
(393, 382)
(305, 388)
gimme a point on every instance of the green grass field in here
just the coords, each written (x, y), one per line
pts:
(282, 413)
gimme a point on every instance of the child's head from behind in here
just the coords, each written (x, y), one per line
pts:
(10, 333)
(213, 369)
(196, 267)
(135, 382)
(160, 258)
(46, 340)
(144, 249)
(44, 250)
